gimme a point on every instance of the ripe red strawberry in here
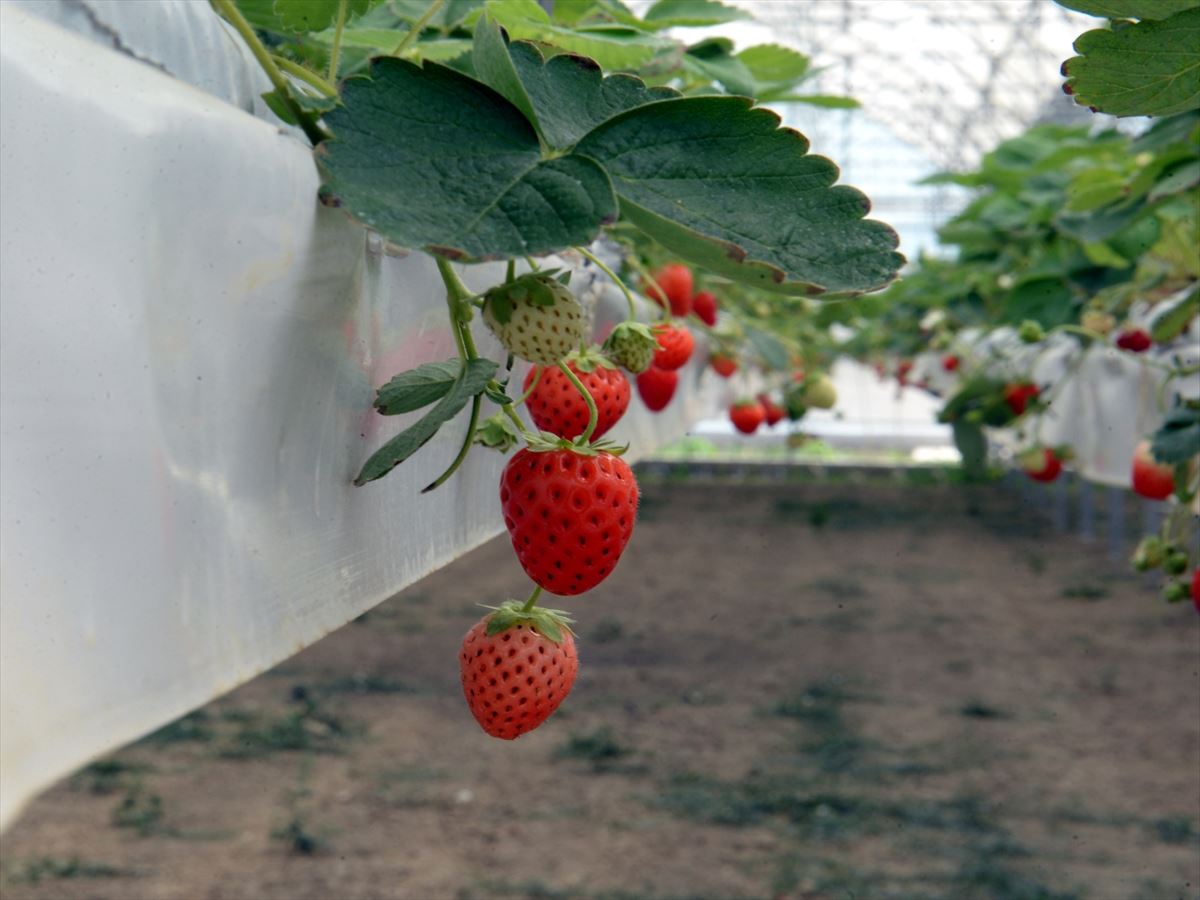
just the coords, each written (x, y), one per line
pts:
(1041, 464)
(723, 364)
(675, 280)
(1017, 396)
(516, 668)
(1196, 589)
(675, 345)
(556, 406)
(747, 415)
(1135, 340)
(704, 305)
(569, 514)
(950, 362)
(656, 387)
(902, 370)
(773, 410)
(1151, 479)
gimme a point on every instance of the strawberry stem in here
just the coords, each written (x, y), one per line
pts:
(651, 280)
(587, 254)
(537, 376)
(335, 51)
(463, 450)
(593, 413)
(533, 599)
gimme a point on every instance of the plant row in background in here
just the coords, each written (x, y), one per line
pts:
(496, 130)
(1077, 242)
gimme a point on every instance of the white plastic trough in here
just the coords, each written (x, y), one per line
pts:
(189, 346)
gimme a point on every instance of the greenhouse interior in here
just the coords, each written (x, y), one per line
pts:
(600, 449)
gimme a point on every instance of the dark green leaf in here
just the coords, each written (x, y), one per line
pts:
(435, 160)
(674, 13)
(474, 379)
(494, 67)
(713, 60)
(569, 95)
(1148, 69)
(1178, 178)
(279, 106)
(1130, 9)
(313, 15)
(1178, 440)
(260, 14)
(721, 185)
(1047, 301)
(772, 350)
(1171, 316)
(417, 387)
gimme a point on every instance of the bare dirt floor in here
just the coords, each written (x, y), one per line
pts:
(786, 691)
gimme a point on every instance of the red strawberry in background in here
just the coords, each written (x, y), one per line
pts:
(902, 370)
(704, 305)
(723, 364)
(656, 387)
(516, 668)
(675, 280)
(1196, 589)
(747, 415)
(1041, 464)
(950, 362)
(1153, 480)
(1018, 395)
(569, 514)
(556, 406)
(774, 412)
(1135, 340)
(675, 345)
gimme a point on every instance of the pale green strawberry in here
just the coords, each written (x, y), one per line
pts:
(535, 317)
(632, 345)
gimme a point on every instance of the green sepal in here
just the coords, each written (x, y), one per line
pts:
(589, 359)
(497, 433)
(550, 623)
(541, 288)
(546, 442)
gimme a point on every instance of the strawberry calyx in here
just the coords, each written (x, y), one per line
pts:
(541, 288)
(589, 359)
(547, 442)
(550, 623)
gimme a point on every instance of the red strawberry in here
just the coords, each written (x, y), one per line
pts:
(1135, 340)
(675, 345)
(747, 415)
(556, 406)
(1044, 467)
(675, 280)
(1151, 479)
(516, 668)
(1017, 396)
(1196, 589)
(723, 364)
(656, 387)
(570, 515)
(773, 410)
(704, 305)
(902, 370)
(950, 362)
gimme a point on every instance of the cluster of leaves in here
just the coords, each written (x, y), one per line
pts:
(1064, 221)
(1147, 63)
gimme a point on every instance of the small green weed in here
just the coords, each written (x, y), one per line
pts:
(364, 683)
(1090, 592)
(52, 867)
(299, 837)
(140, 810)
(599, 747)
(1174, 830)
(106, 776)
(977, 709)
(305, 727)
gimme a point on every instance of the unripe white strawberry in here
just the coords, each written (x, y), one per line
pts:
(535, 317)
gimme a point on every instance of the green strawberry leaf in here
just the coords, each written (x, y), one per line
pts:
(568, 94)
(721, 185)
(1151, 68)
(276, 104)
(433, 159)
(691, 13)
(472, 381)
(772, 64)
(496, 394)
(315, 15)
(614, 47)
(1178, 440)
(769, 348)
(825, 101)
(1130, 9)
(714, 59)
(417, 387)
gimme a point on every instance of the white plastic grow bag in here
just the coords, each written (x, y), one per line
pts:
(189, 346)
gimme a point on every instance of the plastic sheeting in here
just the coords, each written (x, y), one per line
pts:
(189, 346)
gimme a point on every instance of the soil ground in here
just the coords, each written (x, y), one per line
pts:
(786, 691)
